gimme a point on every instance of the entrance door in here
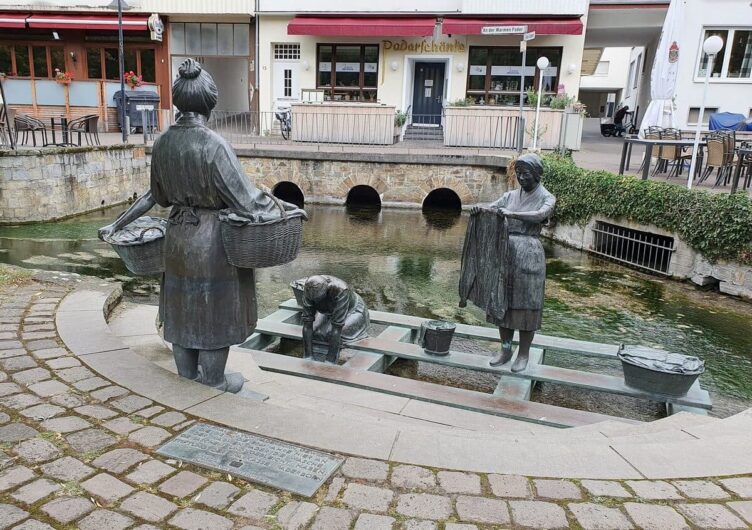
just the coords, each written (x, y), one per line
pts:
(285, 75)
(428, 94)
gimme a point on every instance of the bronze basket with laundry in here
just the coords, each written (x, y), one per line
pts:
(256, 241)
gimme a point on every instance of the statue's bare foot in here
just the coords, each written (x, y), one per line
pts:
(502, 357)
(520, 363)
(233, 383)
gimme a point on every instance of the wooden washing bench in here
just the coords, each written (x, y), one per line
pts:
(375, 354)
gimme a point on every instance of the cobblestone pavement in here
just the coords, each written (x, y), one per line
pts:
(78, 452)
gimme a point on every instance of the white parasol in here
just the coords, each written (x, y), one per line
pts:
(660, 112)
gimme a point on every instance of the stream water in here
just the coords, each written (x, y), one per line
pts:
(408, 262)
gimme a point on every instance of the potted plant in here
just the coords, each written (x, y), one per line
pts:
(400, 118)
(64, 78)
(133, 80)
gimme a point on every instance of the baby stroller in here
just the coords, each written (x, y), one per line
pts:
(609, 128)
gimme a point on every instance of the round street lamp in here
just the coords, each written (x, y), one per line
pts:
(542, 64)
(711, 47)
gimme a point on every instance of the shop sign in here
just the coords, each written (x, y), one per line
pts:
(348, 67)
(477, 69)
(512, 70)
(424, 46)
(503, 30)
(156, 27)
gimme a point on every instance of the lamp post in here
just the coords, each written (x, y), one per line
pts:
(542, 64)
(711, 47)
(118, 4)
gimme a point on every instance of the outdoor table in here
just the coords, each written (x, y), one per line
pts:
(63, 122)
(649, 143)
(742, 154)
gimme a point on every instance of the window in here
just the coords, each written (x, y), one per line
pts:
(6, 62)
(104, 63)
(694, 114)
(203, 38)
(734, 61)
(348, 72)
(287, 52)
(602, 68)
(493, 77)
(288, 82)
(28, 61)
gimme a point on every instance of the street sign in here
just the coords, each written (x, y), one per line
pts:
(144, 107)
(528, 36)
(523, 46)
(503, 30)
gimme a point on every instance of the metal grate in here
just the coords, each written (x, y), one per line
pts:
(287, 51)
(640, 249)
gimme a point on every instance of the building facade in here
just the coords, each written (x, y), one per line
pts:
(416, 56)
(41, 40)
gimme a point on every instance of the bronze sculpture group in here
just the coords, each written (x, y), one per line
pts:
(207, 304)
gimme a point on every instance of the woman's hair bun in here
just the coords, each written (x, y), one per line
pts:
(190, 69)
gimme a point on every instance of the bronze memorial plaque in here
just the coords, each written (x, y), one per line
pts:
(256, 458)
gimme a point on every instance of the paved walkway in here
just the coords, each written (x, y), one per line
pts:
(78, 452)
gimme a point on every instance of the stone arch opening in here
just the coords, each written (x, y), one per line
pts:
(442, 199)
(289, 192)
(363, 195)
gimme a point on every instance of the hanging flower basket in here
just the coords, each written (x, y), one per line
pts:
(133, 80)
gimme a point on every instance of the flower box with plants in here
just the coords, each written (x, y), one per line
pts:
(133, 80)
(64, 78)
(468, 124)
(400, 118)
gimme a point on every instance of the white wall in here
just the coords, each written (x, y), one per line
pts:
(394, 85)
(616, 79)
(631, 95)
(726, 95)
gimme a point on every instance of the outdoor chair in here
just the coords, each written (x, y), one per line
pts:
(715, 158)
(88, 125)
(672, 155)
(651, 134)
(5, 132)
(27, 124)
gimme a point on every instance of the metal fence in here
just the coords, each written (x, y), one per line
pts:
(640, 249)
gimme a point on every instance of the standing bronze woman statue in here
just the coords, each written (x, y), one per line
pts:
(525, 210)
(206, 304)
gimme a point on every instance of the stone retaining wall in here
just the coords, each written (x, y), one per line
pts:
(400, 180)
(48, 184)
(686, 263)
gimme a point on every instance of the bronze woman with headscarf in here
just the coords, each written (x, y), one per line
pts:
(206, 304)
(526, 209)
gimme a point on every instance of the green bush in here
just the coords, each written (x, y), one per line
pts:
(718, 225)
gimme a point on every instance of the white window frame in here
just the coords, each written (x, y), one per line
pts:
(602, 74)
(726, 56)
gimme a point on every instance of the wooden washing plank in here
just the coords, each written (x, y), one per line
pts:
(696, 397)
(259, 341)
(379, 362)
(433, 393)
(363, 360)
(491, 334)
(512, 388)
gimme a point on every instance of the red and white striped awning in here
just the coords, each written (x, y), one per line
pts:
(8, 20)
(72, 21)
(541, 26)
